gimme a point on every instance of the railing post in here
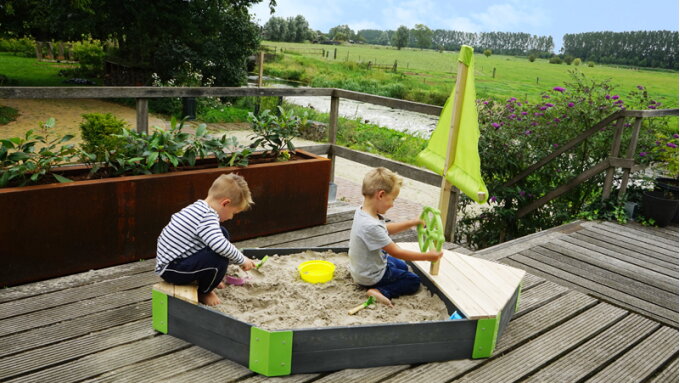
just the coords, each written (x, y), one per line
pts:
(629, 155)
(260, 64)
(333, 131)
(614, 152)
(142, 115)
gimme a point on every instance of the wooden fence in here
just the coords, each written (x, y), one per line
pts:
(143, 94)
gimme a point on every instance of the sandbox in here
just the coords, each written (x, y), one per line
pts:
(485, 293)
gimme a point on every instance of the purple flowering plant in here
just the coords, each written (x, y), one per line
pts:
(508, 145)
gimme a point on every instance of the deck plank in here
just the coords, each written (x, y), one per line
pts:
(632, 244)
(561, 259)
(640, 274)
(582, 284)
(364, 375)
(668, 374)
(223, 369)
(598, 351)
(652, 237)
(640, 362)
(519, 363)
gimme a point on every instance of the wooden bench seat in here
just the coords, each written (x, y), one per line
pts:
(478, 288)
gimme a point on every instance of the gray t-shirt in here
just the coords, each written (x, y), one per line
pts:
(368, 236)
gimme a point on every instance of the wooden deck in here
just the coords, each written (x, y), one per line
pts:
(600, 305)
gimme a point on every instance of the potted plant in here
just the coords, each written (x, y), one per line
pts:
(661, 204)
(109, 210)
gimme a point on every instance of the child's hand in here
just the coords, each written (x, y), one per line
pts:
(433, 256)
(248, 264)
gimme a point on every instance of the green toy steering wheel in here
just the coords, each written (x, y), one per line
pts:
(432, 233)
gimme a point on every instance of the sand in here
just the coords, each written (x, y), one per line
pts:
(276, 298)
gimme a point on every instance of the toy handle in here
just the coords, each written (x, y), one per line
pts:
(356, 309)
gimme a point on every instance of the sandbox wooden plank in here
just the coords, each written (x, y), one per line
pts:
(364, 375)
(587, 286)
(160, 368)
(633, 245)
(276, 240)
(668, 374)
(654, 237)
(61, 297)
(605, 277)
(69, 329)
(224, 369)
(613, 251)
(626, 269)
(73, 310)
(96, 364)
(59, 353)
(640, 362)
(523, 361)
(517, 333)
(75, 280)
(598, 351)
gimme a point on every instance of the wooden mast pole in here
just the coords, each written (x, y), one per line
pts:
(446, 187)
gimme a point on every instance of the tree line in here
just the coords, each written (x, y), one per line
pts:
(657, 49)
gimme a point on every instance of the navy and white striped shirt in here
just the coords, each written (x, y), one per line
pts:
(190, 230)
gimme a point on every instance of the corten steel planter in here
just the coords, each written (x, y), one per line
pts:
(60, 229)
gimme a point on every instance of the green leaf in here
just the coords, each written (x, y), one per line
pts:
(62, 179)
(151, 159)
(18, 156)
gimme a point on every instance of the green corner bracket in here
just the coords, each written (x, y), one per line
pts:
(159, 311)
(519, 294)
(485, 337)
(271, 353)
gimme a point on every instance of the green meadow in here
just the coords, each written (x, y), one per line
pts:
(514, 76)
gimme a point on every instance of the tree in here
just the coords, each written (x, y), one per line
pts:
(423, 36)
(487, 52)
(401, 37)
(215, 36)
(341, 33)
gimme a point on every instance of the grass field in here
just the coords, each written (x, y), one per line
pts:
(514, 76)
(24, 71)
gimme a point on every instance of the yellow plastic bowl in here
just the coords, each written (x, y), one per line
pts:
(316, 271)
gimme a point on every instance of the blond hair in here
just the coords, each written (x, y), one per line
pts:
(380, 179)
(231, 186)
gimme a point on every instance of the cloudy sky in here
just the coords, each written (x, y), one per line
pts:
(539, 17)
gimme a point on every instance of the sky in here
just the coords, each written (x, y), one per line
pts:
(537, 17)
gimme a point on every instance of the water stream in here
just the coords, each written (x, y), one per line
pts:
(417, 124)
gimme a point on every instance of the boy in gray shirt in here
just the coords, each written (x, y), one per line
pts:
(375, 261)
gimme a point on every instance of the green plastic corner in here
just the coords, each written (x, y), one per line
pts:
(159, 311)
(271, 353)
(485, 337)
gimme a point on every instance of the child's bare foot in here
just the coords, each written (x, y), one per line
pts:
(210, 299)
(375, 293)
(221, 285)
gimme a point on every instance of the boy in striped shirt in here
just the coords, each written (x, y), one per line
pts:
(195, 247)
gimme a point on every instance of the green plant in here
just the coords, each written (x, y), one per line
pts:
(90, 55)
(275, 132)
(7, 114)
(665, 153)
(612, 209)
(101, 133)
(29, 160)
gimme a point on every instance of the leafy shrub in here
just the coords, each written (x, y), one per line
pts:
(24, 46)
(525, 133)
(576, 62)
(591, 64)
(275, 132)
(532, 58)
(90, 55)
(101, 133)
(29, 160)
(555, 60)
(7, 114)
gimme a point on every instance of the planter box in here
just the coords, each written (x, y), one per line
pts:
(310, 350)
(60, 229)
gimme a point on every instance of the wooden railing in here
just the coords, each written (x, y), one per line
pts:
(143, 94)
